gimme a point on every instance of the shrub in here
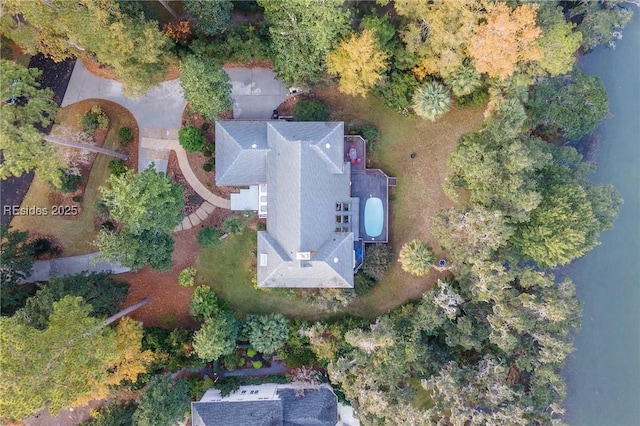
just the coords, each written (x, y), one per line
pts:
(207, 167)
(43, 247)
(475, 98)
(397, 93)
(257, 364)
(205, 126)
(94, 119)
(69, 182)
(114, 413)
(239, 44)
(251, 352)
(376, 260)
(209, 237)
(191, 139)
(117, 167)
(370, 133)
(76, 198)
(187, 276)
(233, 225)
(126, 135)
(310, 110)
(204, 303)
(232, 361)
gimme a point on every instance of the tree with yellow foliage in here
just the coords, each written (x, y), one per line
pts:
(438, 32)
(73, 360)
(507, 39)
(359, 62)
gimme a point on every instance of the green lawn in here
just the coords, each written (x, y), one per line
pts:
(75, 235)
(229, 269)
(418, 196)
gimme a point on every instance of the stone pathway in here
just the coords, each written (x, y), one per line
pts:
(163, 141)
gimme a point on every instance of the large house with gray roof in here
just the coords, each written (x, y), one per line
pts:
(299, 178)
(266, 405)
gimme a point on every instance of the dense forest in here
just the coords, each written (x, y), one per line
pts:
(484, 346)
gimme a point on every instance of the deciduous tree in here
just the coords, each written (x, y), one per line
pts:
(164, 401)
(438, 33)
(105, 296)
(26, 110)
(206, 86)
(212, 17)
(573, 104)
(136, 250)
(216, 337)
(135, 48)
(359, 62)
(559, 41)
(507, 38)
(146, 201)
(266, 333)
(59, 365)
(302, 33)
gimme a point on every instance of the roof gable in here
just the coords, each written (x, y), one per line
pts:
(241, 152)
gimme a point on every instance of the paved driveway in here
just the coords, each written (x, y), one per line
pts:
(160, 107)
(256, 92)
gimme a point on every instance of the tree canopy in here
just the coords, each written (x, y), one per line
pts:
(572, 103)
(359, 63)
(266, 333)
(206, 86)
(211, 17)
(164, 401)
(216, 337)
(136, 49)
(146, 201)
(26, 110)
(507, 38)
(302, 33)
(104, 294)
(68, 363)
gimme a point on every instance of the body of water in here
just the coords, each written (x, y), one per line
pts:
(603, 374)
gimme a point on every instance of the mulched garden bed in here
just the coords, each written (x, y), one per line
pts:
(197, 160)
(286, 107)
(191, 199)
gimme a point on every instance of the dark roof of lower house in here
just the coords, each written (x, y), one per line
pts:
(240, 413)
(317, 407)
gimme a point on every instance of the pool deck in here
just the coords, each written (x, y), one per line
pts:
(367, 183)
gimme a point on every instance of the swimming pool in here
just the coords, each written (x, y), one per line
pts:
(373, 217)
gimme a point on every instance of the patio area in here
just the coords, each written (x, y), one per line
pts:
(371, 187)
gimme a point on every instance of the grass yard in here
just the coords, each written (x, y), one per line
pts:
(418, 195)
(75, 233)
(229, 270)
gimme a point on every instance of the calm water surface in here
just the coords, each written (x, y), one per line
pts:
(603, 374)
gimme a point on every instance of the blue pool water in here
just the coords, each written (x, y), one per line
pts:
(373, 217)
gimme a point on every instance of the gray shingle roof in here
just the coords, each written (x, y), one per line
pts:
(317, 407)
(306, 173)
(241, 413)
(241, 152)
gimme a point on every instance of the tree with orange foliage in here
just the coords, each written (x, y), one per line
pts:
(178, 31)
(438, 32)
(359, 61)
(507, 39)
